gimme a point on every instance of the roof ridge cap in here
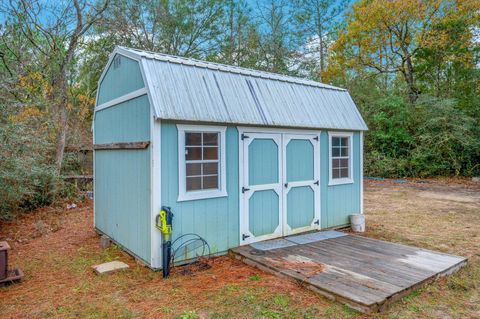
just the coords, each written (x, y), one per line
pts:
(229, 68)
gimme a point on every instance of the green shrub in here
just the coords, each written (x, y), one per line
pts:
(448, 140)
(431, 138)
(27, 179)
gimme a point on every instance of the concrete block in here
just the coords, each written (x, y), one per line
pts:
(110, 267)
(105, 241)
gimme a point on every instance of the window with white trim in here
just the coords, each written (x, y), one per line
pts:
(201, 162)
(340, 158)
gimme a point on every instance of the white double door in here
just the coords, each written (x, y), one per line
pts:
(279, 179)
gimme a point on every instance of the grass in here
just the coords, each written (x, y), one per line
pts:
(59, 281)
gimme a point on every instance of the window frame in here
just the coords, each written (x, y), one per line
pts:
(345, 180)
(221, 191)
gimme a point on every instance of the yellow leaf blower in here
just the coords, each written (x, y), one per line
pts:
(163, 222)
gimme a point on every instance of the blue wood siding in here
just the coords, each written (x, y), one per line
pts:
(214, 219)
(120, 80)
(300, 151)
(122, 177)
(300, 206)
(125, 122)
(263, 212)
(339, 201)
(263, 162)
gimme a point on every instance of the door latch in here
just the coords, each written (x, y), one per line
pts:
(245, 236)
(244, 189)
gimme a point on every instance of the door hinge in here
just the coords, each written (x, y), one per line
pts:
(245, 236)
(317, 222)
(286, 185)
(316, 138)
(244, 136)
(244, 189)
(317, 183)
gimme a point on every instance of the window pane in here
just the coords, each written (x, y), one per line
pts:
(194, 183)
(193, 138)
(335, 173)
(344, 163)
(194, 169)
(335, 163)
(210, 153)
(210, 168)
(344, 173)
(335, 151)
(210, 138)
(193, 153)
(335, 141)
(344, 151)
(344, 141)
(210, 182)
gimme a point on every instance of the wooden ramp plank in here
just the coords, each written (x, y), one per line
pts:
(418, 258)
(390, 266)
(366, 274)
(363, 268)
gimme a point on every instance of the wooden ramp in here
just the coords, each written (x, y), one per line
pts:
(366, 274)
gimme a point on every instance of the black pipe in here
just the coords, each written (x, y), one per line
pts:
(166, 255)
(167, 244)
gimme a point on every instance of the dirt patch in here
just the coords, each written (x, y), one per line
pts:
(462, 197)
(201, 264)
(30, 225)
(56, 255)
(300, 264)
(59, 281)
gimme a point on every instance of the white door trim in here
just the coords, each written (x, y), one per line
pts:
(243, 169)
(245, 197)
(315, 140)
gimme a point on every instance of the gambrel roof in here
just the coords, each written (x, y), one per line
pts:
(192, 90)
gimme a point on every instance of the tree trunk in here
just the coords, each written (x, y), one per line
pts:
(61, 136)
(319, 24)
(231, 51)
(410, 79)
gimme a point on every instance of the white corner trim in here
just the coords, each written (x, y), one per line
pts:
(156, 192)
(183, 195)
(121, 99)
(340, 181)
(94, 173)
(361, 172)
(241, 181)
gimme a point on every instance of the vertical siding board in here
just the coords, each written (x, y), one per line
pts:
(214, 219)
(263, 162)
(125, 122)
(339, 201)
(217, 219)
(300, 207)
(122, 177)
(120, 81)
(300, 151)
(324, 167)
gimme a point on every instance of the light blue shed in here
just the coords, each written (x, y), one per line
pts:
(239, 155)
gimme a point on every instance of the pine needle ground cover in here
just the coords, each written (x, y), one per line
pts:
(56, 249)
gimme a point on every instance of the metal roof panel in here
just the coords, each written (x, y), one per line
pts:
(193, 90)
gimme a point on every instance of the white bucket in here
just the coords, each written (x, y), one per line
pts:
(358, 223)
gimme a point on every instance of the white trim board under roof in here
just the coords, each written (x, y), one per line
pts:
(192, 90)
